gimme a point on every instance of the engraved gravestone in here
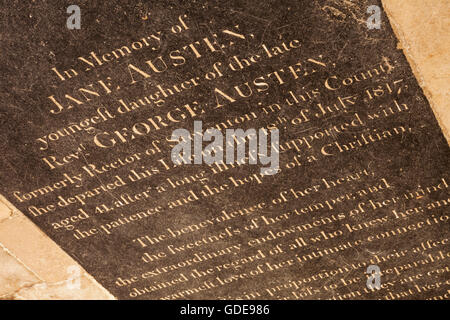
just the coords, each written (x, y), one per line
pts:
(87, 117)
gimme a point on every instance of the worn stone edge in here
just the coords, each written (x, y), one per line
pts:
(406, 48)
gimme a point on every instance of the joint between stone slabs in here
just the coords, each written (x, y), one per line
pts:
(2, 247)
(13, 212)
(16, 294)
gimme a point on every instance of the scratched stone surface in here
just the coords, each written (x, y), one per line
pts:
(86, 117)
